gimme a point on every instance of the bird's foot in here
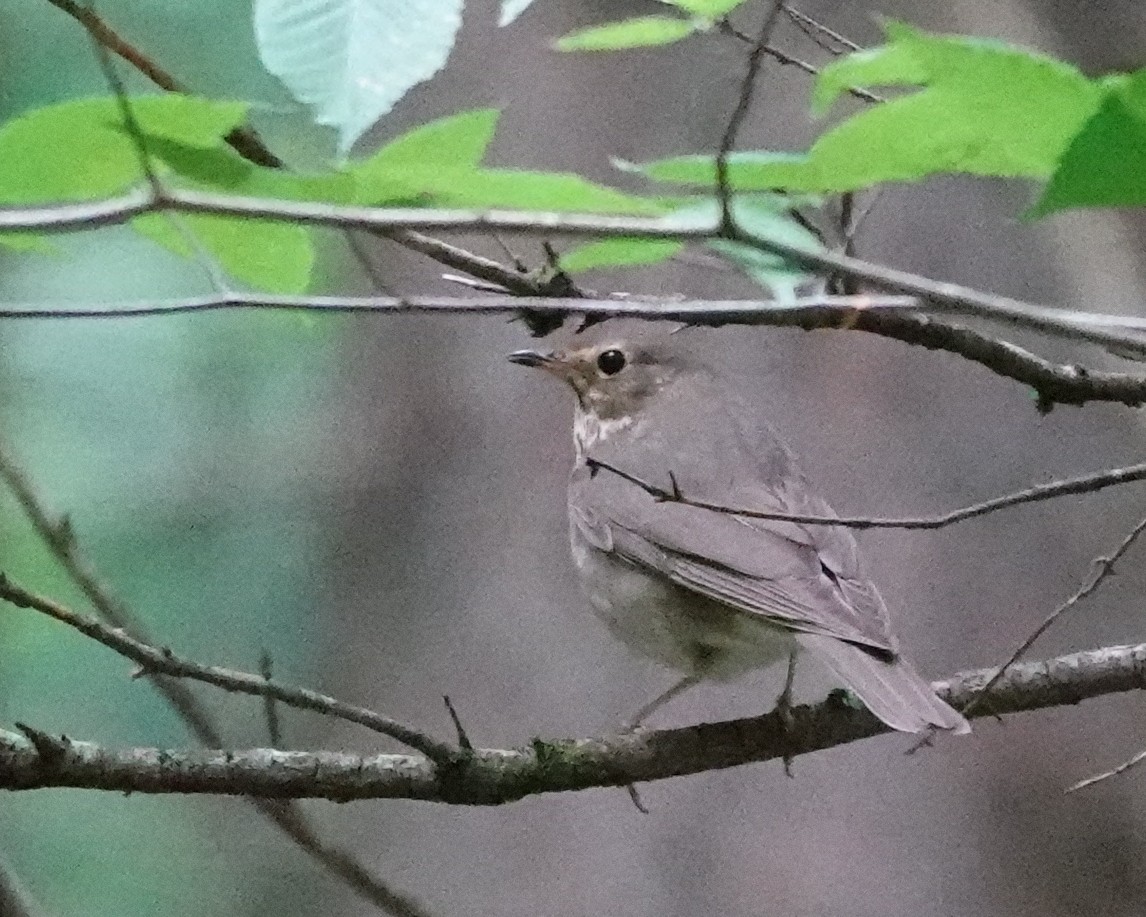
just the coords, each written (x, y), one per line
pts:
(783, 711)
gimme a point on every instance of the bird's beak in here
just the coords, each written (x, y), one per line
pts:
(555, 363)
(533, 358)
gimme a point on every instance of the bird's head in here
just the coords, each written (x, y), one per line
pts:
(615, 379)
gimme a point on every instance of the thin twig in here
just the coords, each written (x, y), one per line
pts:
(783, 57)
(362, 256)
(1103, 568)
(477, 266)
(160, 660)
(126, 113)
(498, 776)
(848, 286)
(1089, 483)
(1106, 775)
(861, 214)
(817, 31)
(740, 112)
(270, 707)
(510, 254)
(464, 742)
(812, 311)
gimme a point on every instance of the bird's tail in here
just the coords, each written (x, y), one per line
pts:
(893, 691)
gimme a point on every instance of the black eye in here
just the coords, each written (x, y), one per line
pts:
(611, 362)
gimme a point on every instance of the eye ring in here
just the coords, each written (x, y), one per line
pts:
(611, 362)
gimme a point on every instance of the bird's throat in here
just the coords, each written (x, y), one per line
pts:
(590, 430)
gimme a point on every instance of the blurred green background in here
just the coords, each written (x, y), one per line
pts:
(177, 448)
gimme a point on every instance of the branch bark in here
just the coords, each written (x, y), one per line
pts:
(949, 298)
(497, 776)
(886, 316)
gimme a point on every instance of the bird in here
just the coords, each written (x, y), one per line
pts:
(665, 453)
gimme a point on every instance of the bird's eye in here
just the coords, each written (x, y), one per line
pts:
(611, 362)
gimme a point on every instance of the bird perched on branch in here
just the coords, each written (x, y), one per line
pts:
(663, 450)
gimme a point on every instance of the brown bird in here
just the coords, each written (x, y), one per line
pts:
(715, 594)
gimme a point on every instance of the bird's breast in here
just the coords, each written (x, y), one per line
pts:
(672, 625)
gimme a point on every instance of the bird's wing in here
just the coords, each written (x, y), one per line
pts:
(763, 568)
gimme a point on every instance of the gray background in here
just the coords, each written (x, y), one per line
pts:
(484, 606)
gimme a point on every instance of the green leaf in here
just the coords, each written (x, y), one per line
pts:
(455, 142)
(225, 170)
(354, 59)
(622, 252)
(1105, 164)
(333, 187)
(514, 189)
(438, 164)
(761, 218)
(983, 108)
(28, 242)
(893, 64)
(639, 32)
(79, 150)
(181, 118)
(519, 189)
(747, 171)
(1132, 90)
(275, 257)
(706, 9)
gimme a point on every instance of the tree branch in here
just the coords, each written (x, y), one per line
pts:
(820, 33)
(162, 661)
(497, 776)
(885, 316)
(936, 295)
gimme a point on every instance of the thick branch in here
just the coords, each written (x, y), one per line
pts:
(885, 316)
(493, 776)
